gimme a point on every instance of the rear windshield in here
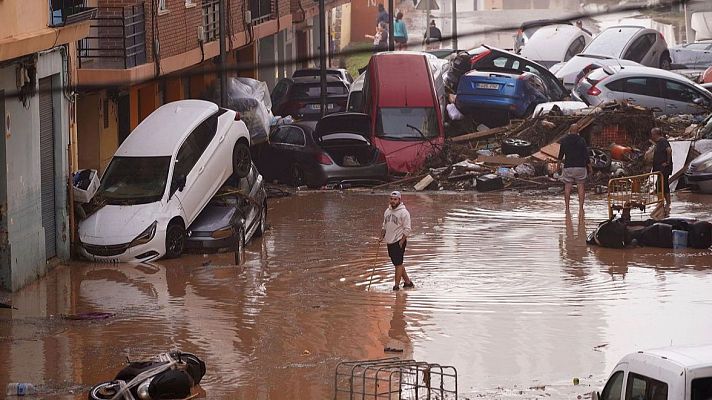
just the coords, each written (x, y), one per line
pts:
(407, 123)
(611, 42)
(312, 90)
(597, 75)
(702, 389)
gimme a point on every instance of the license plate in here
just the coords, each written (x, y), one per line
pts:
(318, 106)
(487, 86)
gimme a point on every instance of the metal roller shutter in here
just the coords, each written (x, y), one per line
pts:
(47, 167)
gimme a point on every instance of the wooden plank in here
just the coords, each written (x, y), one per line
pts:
(501, 160)
(544, 157)
(551, 150)
(424, 183)
(479, 135)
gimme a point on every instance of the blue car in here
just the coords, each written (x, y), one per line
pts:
(493, 97)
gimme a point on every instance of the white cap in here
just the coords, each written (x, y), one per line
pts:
(396, 193)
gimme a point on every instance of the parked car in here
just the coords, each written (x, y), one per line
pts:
(405, 108)
(699, 174)
(692, 55)
(555, 43)
(648, 87)
(527, 30)
(491, 59)
(161, 178)
(670, 373)
(335, 150)
(355, 100)
(340, 73)
(493, 98)
(229, 221)
(301, 97)
(633, 43)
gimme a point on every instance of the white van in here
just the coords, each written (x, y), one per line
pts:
(674, 373)
(161, 178)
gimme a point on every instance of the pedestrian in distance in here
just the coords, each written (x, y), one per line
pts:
(579, 24)
(662, 162)
(577, 164)
(400, 32)
(383, 16)
(395, 232)
(432, 38)
(380, 38)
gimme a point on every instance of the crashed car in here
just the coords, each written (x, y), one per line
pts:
(161, 178)
(699, 174)
(232, 217)
(555, 43)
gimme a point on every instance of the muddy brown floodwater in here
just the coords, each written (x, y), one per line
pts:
(507, 291)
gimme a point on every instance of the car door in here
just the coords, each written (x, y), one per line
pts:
(614, 387)
(680, 98)
(641, 91)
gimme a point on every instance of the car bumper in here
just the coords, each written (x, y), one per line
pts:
(335, 174)
(469, 104)
(121, 253)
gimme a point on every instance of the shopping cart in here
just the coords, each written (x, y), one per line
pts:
(635, 192)
(393, 378)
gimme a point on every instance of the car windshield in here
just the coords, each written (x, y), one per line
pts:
(611, 42)
(313, 90)
(134, 180)
(407, 123)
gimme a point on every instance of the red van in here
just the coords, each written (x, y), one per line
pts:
(406, 116)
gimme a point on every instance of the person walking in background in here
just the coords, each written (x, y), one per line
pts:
(380, 39)
(577, 164)
(400, 32)
(383, 16)
(432, 38)
(662, 162)
(395, 231)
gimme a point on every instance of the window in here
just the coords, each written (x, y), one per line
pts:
(407, 123)
(313, 90)
(641, 387)
(611, 42)
(613, 388)
(640, 86)
(162, 7)
(702, 389)
(295, 136)
(640, 47)
(679, 92)
(189, 3)
(211, 20)
(192, 149)
(501, 62)
(134, 180)
(279, 91)
(575, 48)
(280, 135)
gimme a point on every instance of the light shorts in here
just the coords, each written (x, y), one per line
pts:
(574, 175)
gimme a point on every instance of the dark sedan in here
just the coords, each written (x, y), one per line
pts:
(300, 97)
(236, 214)
(336, 150)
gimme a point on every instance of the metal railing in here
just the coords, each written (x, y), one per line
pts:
(66, 12)
(117, 38)
(261, 10)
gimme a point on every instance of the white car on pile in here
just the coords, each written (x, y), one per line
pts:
(161, 178)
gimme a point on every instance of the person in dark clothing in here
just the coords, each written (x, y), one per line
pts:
(577, 165)
(380, 39)
(433, 37)
(662, 162)
(383, 15)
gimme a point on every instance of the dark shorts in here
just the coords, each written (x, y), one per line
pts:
(400, 39)
(665, 182)
(396, 252)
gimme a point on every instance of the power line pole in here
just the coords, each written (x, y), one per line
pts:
(322, 54)
(391, 39)
(223, 56)
(454, 24)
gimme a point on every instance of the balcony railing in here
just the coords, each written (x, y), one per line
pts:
(67, 12)
(117, 39)
(261, 10)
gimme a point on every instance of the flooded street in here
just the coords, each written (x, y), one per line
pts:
(507, 291)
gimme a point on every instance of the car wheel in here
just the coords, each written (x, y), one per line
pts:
(175, 240)
(600, 159)
(239, 246)
(665, 62)
(104, 391)
(241, 160)
(516, 146)
(262, 227)
(297, 176)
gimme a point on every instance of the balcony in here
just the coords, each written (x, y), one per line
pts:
(67, 12)
(261, 10)
(117, 39)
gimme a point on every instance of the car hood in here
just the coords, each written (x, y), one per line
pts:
(570, 70)
(407, 156)
(113, 224)
(213, 217)
(698, 164)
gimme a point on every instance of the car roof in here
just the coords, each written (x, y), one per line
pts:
(550, 43)
(404, 80)
(162, 132)
(653, 72)
(317, 70)
(684, 356)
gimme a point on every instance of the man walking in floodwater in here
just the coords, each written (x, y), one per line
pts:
(395, 231)
(577, 165)
(662, 162)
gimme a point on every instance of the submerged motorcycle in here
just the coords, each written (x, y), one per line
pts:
(168, 376)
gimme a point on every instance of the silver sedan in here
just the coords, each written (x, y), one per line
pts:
(662, 91)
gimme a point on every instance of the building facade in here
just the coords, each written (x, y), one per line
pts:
(37, 45)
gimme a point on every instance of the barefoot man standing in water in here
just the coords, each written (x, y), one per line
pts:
(395, 231)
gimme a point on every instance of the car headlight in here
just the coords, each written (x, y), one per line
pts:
(223, 233)
(145, 236)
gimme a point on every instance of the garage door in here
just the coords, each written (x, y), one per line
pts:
(49, 221)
